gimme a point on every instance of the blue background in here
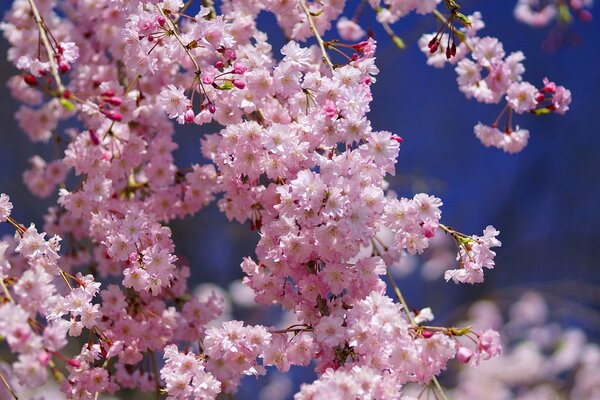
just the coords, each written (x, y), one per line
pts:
(544, 200)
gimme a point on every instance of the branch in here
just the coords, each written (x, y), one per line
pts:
(173, 30)
(316, 33)
(51, 59)
(10, 389)
(413, 323)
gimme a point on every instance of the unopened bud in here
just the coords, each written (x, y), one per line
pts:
(64, 67)
(94, 137)
(113, 115)
(464, 354)
(115, 101)
(239, 69)
(239, 83)
(189, 116)
(30, 80)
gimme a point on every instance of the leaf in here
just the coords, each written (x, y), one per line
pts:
(67, 105)
(228, 85)
(463, 19)
(541, 111)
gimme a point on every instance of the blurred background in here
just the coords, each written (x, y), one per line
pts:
(544, 200)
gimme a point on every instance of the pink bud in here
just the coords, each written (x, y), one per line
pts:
(211, 107)
(230, 54)
(132, 257)
(94, 137)
(161, 20)
(585, 16)
(64, 67)
(113, 115)
(115, 101)
(30, 80)
(397, 138)
(219, 64)
(67, 94)
(108, 93)
(73, 363)
(464, 354)
(429, 228)
(189, 116)
(427, 334)
(239, 69)
(239, 83)
(43, 358)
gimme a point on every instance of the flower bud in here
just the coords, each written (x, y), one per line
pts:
(464, 354)
(239, 83)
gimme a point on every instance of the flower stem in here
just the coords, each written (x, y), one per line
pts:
(458, 33)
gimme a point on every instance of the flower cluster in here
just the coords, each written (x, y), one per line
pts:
(295, 156)
(489, 75)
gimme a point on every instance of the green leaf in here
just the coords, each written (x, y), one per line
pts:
(541, 111)
(398, 42)
(463, 19)
(228, 85)
(67, 105)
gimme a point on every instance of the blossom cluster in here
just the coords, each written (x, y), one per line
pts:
(486, 73)
(295, 156)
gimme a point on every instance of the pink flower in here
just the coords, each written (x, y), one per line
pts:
(349, 30)
(5, 207)
(522, 97)
(174, 101)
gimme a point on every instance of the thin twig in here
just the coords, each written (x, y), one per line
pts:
(395, 38)
(400, 297)
(313, 28)
(5, 290)
(461, 35)
(413, 323)
(51, 59)
(156, 374)
(10, 389)
(173, 30)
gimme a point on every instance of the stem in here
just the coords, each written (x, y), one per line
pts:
(62, 273)
(51, 59)
(439, 388)
(173, 30)
(5, 290)
(395, 38)
(412, 322)
(317, 36)
(400, 297)
(10, 389)
(210, 4)
(16, 225)
(156, 375)
(458, 33)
